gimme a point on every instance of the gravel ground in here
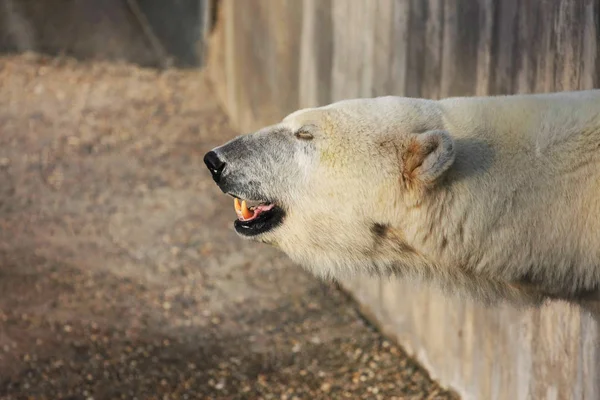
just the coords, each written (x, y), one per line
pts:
(120, 274)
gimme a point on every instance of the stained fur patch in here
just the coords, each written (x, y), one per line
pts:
(380, 230)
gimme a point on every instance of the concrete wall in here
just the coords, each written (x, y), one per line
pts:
(154, 33)
(270, 57)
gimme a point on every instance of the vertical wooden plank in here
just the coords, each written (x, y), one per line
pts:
(366, 12)
(460, 47)
(383, 20)
(347, 44)
(217, 60)
(597, 24)
(545, 48)
(338, 13)
(401, 12)
(468, 351)
(243, 44)
(265, 38)
(589, 58)
(556, 371)
(353, 73)
(308, 81)
(487, 336)
(285, 25)
(484, 46)
(503, 57)
(254, 91)
(528, 16)
(567, 25)
(416, 46)
(231, 58)
(434, 40)
(575, 20)
(316, 53)
(324, 35)
(507, 336)
(524, 356)
(590, 358)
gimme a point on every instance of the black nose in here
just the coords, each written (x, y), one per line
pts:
(214, 164)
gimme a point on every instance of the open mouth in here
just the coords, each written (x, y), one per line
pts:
(256, 217)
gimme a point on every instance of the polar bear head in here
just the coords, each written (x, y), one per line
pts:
(330, 186)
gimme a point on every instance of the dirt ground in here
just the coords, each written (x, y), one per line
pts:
(120, 273)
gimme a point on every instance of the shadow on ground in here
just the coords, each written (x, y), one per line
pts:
(120, 274)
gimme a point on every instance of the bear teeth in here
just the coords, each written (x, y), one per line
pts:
(246, 213)
(242, 209)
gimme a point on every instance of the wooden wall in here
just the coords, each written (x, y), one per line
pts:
(275, 56)
(271, 57)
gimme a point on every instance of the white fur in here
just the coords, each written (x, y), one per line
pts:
(505, 205)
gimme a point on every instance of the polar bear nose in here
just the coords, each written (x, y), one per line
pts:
(214, 164)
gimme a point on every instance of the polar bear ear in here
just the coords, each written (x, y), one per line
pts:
(427, 156)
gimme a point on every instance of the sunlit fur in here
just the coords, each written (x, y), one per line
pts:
(495, 197)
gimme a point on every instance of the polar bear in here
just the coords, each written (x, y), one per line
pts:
(494, 197)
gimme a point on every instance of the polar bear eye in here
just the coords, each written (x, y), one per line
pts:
(303, 134)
